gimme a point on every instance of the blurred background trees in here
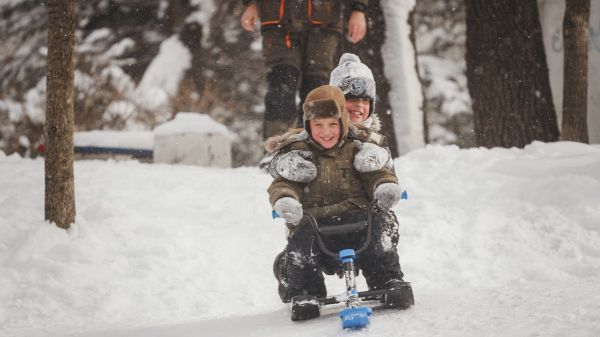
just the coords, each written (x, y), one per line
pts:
(125, 48)
(507, 74)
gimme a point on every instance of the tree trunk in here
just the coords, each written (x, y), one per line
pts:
(59, 180)
(507, 74)
(575, 87)
(413, 41)
(369, 51)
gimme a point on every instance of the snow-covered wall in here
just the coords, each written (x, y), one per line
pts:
(406, 98)
(551, 16)
(142, 140)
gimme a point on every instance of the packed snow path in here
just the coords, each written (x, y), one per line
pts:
(501, 242)
(518, 310)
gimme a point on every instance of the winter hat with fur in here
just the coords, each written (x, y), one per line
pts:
(354, 78)
(326, 101)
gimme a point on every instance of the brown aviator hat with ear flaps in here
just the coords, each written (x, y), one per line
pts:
(326, 101)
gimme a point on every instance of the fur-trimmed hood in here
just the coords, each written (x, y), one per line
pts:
(368, 131)
(373, 123)
(276, 143)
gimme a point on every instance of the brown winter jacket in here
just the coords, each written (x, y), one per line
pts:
(300, 15)
(338, 187)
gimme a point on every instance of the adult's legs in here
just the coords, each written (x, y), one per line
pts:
(283, 61)
(280, 100)
(318, 60)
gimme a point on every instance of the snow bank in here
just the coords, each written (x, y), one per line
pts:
(504, 238)
(501, 215)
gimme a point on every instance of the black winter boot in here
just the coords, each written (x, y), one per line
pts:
(399, 294)
(394, 284)
(315, 288)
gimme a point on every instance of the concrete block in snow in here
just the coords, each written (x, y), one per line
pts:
(194, 139)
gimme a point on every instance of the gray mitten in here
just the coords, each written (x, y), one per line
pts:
(293, 166)
(387, 195)
(289, 209)
(371, 157)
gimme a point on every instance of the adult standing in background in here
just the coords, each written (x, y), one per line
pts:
(300, 38)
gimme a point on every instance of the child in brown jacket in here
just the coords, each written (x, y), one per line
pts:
(339, 191)
(356, 81)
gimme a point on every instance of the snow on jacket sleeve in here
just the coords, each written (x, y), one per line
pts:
(371, 180)
(281, 187)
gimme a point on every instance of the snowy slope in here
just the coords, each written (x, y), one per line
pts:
(501, 242)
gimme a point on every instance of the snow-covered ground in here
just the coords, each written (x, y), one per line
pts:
(501, 242)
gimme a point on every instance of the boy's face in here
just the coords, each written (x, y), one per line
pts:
(358, 109)
(325, 131)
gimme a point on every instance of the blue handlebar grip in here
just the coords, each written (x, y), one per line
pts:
(404, 195)
(275, 215)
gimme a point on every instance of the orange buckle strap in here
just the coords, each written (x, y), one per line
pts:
(314, 22)
(288, 42)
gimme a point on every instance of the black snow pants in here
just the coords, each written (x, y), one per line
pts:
(299, 269)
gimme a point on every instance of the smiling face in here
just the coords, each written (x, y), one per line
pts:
(325, 131)
(358, 109)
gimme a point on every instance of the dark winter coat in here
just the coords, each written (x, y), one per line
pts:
(300, 15)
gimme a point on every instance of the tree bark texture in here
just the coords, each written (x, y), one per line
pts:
(507, 74)
(575, 85)
(369, 51)
(413, 41)
(59, 179)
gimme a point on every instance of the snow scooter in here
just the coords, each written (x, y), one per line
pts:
(355, 315)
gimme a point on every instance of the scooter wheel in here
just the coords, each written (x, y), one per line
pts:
(305, 307)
